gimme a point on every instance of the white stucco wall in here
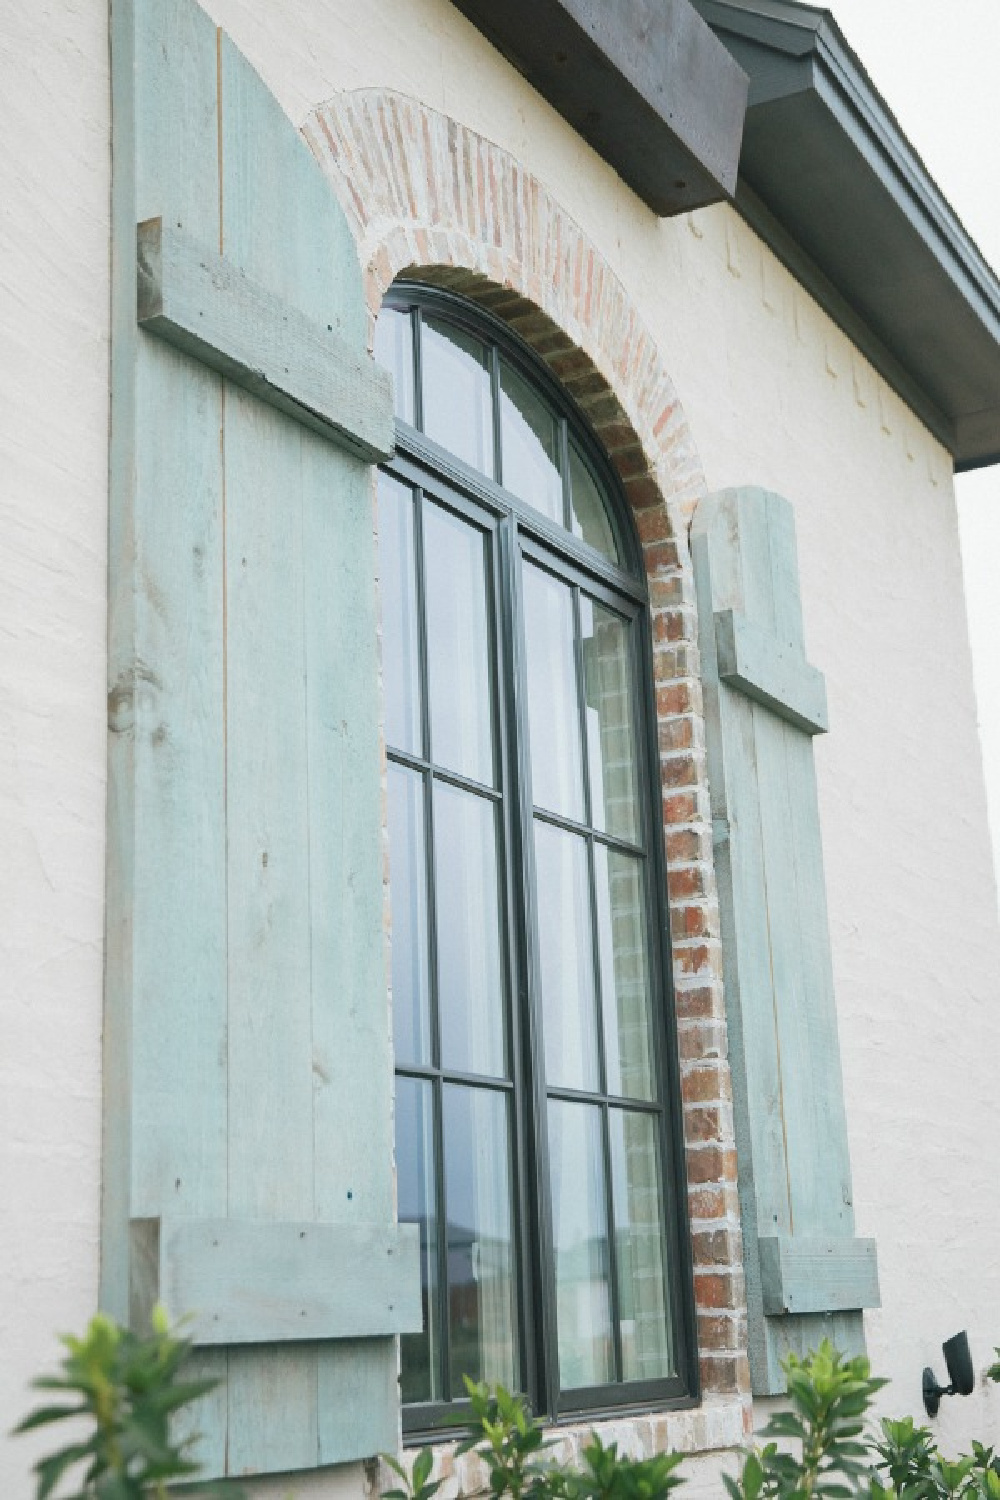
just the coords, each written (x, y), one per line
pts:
(55, 176)
(774, 397)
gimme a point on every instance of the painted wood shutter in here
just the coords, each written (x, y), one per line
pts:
(248, 1157)
(807, 1275)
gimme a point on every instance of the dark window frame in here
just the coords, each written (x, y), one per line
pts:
(517, 528)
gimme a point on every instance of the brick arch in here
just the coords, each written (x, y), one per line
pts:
(429, 199)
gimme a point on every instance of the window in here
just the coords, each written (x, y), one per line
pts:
(537, 1123)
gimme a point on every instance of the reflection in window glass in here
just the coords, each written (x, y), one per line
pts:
(481, 1259)
(420, 1374)
(529, 445)
(457, 398)
(394, 351)
(588, 509)
(470, 973)
(458, 648)
(400, 642)
(553, 718)
(621, 931)
(580, 1239)
(639, 1235)
(610, 718)
(411, 1023)
(566, 959)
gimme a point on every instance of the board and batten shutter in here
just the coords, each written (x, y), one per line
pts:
(807, 1274)
(248, 1174)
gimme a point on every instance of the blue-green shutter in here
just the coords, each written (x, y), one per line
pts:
(807, 1275)
(248, 1158)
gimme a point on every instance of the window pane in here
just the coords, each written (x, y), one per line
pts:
(400, 643)
(609, 713)
(621, 928)
(470, 973)
(588, 508)
(481, 1259)
(394, 351)
(553, 718)
(580, 1240)
(458, 404)
(566, 959)
(419, 1352)
(408, 895)
(458, 648)
(529, 445)
(647, 1351)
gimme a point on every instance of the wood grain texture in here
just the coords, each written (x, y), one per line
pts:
(248, 1042)
(201, 303)
(248, 1281)
(775, 675)
(800, 1275)
(763, 703)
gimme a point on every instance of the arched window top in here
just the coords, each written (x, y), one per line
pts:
(474, 389)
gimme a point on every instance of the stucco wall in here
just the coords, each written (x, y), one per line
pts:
(773, 397)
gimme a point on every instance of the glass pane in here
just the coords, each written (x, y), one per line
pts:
(566, 959)
(610, 720)
(621, 930)
(580, 1241)
(470, 972)
(647, 1351)
(553, 718)
(458, 403)
(394, 351)
(458, 650)
(529, 446)
(588, 508)
(400, 641)
(411, 1023)
(481, 1260)
(420, 1352)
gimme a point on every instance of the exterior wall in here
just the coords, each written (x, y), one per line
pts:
(772, 395)
(55, 178)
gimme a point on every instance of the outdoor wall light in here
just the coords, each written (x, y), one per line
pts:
(958, 1358)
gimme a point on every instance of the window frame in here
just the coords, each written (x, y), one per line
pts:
(517, 529)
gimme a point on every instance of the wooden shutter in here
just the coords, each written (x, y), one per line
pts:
(248, 1156)
(807, 1275)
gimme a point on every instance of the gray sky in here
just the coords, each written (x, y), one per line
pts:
(937, 65)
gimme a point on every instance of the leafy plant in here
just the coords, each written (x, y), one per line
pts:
(608, 1476)
(828, 1397)
(509, 1441)
(416, 1486)
(125, 1389)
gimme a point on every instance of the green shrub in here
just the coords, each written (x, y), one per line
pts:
(124, 1389)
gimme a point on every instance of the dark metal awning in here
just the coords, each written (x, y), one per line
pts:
(830, 182)
(645, 82)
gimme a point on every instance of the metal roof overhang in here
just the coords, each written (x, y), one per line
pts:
(830, 182)
(645, 82)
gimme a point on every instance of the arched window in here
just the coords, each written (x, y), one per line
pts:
(537, 1122)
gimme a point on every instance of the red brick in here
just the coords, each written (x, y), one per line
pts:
(653, 523)
(703, 1124)
(724, 1373)
(713, 1289)
(683, 846)
(661, 556)
(680, 807)
(708, 1082)
(684, 881)
(707, 1201)
(717, 1334)
(716, 1247)
(697, 1004)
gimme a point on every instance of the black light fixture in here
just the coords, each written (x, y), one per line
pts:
(958, 1358)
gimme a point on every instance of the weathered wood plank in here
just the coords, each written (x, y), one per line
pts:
(770, 672)
(788, 1098)
(805, 1275)
(249, 1282)
(165, 1005)
(203, 304)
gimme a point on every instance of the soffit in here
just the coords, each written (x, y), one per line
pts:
(830, 181)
